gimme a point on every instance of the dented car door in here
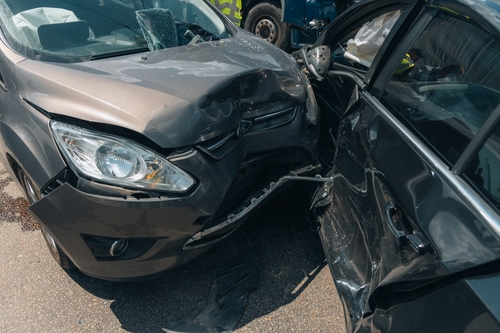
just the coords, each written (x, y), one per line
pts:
(410, 220)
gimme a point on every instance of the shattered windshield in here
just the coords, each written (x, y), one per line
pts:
(76, 30)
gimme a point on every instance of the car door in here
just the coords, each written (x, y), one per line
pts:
(410, 227)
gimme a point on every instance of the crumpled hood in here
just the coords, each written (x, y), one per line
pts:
(176, 97)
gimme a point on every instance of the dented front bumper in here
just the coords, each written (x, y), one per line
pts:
(86, 225)
(86, 218)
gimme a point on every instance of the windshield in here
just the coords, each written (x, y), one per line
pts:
(82, 30)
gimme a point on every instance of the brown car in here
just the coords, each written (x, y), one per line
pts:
(143, 132)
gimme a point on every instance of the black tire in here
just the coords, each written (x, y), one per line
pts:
(264, 20)
(62, 259)
(33, 196)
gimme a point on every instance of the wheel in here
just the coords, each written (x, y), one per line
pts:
(33, 196)
(62, 259)
(264, 20)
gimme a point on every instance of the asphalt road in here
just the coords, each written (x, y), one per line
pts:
(296, 292)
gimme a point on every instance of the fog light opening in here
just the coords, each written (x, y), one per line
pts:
(118, 247)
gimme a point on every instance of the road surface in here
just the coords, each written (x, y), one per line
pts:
(296, 292)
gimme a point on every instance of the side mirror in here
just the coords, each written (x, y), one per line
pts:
(317, 60)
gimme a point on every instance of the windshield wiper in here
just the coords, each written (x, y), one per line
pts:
(118, 53)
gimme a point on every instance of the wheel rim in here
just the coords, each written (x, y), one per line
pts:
(50, 240)
(266, 29)
(32, 196)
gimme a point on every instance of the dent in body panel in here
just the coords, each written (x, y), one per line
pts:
(341, 244)
(453, 306)
(372, 167)
(24, 128)
(26, 139)
(169, 221)
(460, 237)
(432, 209)
(210, 87)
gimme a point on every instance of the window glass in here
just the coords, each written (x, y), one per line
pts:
(483, 170)
(355, 48)
(446, 85)
(359, 48)
(75, 30)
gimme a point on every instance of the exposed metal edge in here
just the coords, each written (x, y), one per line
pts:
(274, 114)
(464, 191)
(253, 203)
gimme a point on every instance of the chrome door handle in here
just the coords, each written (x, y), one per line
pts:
(392, 211)
(392, 214)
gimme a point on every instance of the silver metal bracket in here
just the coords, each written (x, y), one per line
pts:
(253, 203)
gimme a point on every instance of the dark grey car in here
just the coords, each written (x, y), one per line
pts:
(142, 130)
(409, 93)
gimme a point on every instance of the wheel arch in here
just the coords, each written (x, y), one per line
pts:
(28, 145)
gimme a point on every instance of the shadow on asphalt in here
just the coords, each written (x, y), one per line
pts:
(288, 252)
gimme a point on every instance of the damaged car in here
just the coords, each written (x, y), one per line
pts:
(410, 138)
(144, 131)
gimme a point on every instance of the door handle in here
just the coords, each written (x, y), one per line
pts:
(392, 212)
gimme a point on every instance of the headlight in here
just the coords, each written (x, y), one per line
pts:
(117, 161)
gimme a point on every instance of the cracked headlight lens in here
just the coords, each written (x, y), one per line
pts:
(117, 161)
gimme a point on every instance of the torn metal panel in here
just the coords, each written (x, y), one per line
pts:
(225, 226)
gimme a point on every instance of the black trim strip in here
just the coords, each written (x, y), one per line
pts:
(477, 142)
(221, 142)
(273, 115)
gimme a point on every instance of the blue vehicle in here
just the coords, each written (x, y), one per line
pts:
(290, 24)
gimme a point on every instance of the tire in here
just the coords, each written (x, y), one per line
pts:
(62, 259)
(33, 196)
(264, 20)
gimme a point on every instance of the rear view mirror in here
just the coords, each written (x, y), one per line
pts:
(317, 60)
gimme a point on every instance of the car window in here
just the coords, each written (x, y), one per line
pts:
(359, 47)
(483, 170)
(356, 48)
(446, 85)
(72, 30)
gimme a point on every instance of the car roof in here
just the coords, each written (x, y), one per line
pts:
(487, 9)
